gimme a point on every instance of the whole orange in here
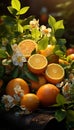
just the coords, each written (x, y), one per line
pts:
(63, 62)
(47, 94)
(30, 101)
(48, 51)
(70, 51)
(36, 84)
(17, 82)
(71, 56)
(53, 58)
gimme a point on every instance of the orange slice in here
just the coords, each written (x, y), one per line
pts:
(37, 63)
(27, 47)
(54, 73)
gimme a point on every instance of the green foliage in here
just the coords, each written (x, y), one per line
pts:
(51, 21)
(65, 111)
(16, 4)
(14, 73)
(2, 71)
(60, 99)
(35, 34)
(12, 31)
(43, 43)
(60, 114)
(3, 53)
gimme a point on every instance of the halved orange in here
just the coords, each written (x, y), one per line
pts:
(37, 63)
(54, 73)
(10, 88)
(27, 46)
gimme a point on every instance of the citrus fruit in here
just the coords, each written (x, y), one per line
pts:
(70, 57)
(70, 51)
(27, 47)
(47, 94)
(54, 73)
(30, 101)
(14, 84)
(37, 63)
(63, 62)
(48, 51)
(36, 84)
(53, 58)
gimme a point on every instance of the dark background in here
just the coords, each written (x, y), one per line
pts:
(60, 9)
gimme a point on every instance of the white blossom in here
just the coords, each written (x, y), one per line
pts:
(45, 31)
(17, 98)
(8, 101)
(18, 59)
(18, 90)
(34, 24)
(15, 47)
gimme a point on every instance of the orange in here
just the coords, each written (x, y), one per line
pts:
(63, 62)
(53, 58)
(54, 73)
(70, 51)
(47, 94)
(48, 51)
(27, 47)
(41, 80)
(14, 83)
(70, 57)
(30, 101)
(37, 63)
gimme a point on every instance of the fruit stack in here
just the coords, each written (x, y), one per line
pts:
(36, 68)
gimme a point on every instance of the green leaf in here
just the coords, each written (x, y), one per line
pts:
(60, 99)
(43, 43)
(59, 33)
(14, 73)
(16, 4)
(35, 34)
(53, 40)
(9, 49)
(25, 27)
(22, 10)
(61, 41)
(31, 76)
(2, 71)
(12, 10)
(59, 25)
(59, 53)
(70, 115)
(60, 115)
(51, 21)
(3, 54)
(20, 28)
